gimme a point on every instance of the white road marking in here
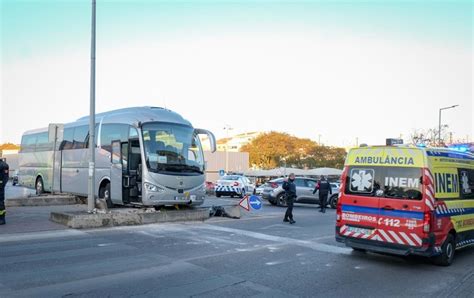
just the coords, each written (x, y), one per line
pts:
(40, 235)
(105, 244)
(309, 244)
(323, 237)
(151, 234)
(275, 263)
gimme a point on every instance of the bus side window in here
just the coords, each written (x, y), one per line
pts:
(133, 132)
(79, 138)
(112, 132)
(28, 143)
(42, 142)
(66, 144)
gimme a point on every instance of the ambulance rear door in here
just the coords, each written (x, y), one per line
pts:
(401, 206)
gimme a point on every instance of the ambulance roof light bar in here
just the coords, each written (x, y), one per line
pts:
(393, 142)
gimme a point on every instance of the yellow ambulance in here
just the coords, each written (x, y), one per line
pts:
(407, 201)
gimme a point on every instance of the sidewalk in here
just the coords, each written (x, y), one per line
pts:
(37, 219)
(34, 219)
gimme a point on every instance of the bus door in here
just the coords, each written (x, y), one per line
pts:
(132, 176)
(116, 170)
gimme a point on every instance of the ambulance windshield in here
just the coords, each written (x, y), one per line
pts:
(388, 182)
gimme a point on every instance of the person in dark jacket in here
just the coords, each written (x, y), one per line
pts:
(3, 184)
(290, 193)
(324, 189)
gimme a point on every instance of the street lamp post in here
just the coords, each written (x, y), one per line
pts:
(439, 127)
(91, 191)
(227, 128)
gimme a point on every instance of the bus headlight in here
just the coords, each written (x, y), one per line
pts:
(153, 188)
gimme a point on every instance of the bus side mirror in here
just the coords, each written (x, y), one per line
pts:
(210, 135)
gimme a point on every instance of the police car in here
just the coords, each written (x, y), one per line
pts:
(234, 185)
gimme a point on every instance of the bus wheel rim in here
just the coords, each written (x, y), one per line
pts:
(39, 186)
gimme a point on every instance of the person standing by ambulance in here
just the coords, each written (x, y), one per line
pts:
(3, 183)
(324, 188)
(290, 192)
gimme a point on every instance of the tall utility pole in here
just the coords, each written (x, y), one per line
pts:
(227, 128)
(439, 127)
(91, 193)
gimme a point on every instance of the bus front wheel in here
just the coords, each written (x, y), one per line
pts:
(39, 186)
(104, 193)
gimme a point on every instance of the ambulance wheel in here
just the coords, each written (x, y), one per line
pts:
(104, 193)
(218, 195)
(281, 200)
(447, 252)
(39, 186)
(242, 194)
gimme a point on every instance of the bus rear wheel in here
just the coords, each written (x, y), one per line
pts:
(39, 186)
(104, 193)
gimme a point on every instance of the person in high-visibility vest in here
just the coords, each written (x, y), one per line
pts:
(3, 183)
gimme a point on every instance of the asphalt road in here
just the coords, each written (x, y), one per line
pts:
(258, 255)
(12, 192)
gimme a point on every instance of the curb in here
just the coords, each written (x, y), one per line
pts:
(43, 201)
(82, 220)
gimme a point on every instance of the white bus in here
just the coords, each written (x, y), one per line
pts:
(145, 155)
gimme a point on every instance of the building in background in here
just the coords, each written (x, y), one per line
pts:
(9, 148)
(237, 162)
(10, 153)
(233, 144)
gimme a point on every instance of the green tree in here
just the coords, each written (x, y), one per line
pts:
(275, 149)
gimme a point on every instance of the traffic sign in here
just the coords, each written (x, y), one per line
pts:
(221, 173)
(244, 203)
(255, 203)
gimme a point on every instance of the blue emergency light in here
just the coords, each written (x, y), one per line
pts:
(460, 148)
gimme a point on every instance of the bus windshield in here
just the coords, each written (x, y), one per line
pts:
(388, 182)
(172, 148)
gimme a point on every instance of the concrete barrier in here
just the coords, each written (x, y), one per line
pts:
(126, 217)
(49, 200)
(233, 211)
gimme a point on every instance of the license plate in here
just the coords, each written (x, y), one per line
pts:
(179, 198)
(359, 230)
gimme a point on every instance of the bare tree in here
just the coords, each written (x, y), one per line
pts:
(430, 137)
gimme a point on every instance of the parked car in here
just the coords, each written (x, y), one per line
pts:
(259, 190)
(234, 185)
(275, 194)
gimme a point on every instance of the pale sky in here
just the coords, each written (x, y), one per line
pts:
(342, 70)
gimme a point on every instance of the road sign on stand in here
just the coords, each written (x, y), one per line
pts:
(255, 203)
(221, 173)
(244, 203)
